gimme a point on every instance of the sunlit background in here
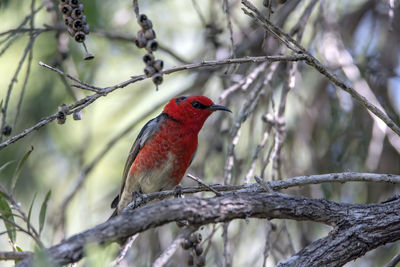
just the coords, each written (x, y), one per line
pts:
(327, 131)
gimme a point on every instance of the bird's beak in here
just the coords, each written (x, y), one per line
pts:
(214, 107)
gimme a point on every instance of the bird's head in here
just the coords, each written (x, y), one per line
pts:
(192, 109)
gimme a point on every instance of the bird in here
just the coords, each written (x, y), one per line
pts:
(164, 148)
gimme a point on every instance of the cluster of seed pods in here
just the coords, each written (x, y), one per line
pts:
(145, 38)
(193, 244)
(75, 20)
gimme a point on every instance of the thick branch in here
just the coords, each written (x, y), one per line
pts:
(377, 219)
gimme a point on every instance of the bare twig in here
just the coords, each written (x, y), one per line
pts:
(82, 85)
(84, 102)
(124, 250)
(14, 255)
(393, 262)
(312, 61)
(204, 184)
(268, 229)
(171, 249)
(227, 248)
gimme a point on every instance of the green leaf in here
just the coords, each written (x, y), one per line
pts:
(30, 212)
(6, 164)
(19, 168)
(6, 212)
(20, 250)
(42, 214)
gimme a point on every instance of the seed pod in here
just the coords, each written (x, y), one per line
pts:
(79, 37)
(61, 117)
(77, 115)
(65, 9)
(144, 22)
(86, 28)
(148, 59)
(64, 2)
(140, 42)
(83, 18)
(151, 45)
(150, 34)
(201, 261)
(77, 25)
(157, 79)
(186, 244)
(190, 260)
(71, 31)
(149, 71)
(76, 13)
(63, 108)
(68, 20)
(158, 64)
(196, 238)
(74, 3)
(7, 130)
(198, 249)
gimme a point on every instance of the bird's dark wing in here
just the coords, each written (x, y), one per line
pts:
(145, 134)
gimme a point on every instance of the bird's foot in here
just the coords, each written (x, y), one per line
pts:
(178, 191)
(138, 199)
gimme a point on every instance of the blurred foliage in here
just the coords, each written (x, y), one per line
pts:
(327, 131)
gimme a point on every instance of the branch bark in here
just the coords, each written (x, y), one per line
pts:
(358, 228)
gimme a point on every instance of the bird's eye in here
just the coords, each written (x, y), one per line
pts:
(198, 105)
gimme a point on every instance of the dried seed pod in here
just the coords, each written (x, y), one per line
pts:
(77, 13)
(68, 20)
(74, 3)
(61, 117)
(151, 45)
(6, 130)
(149, 71)
(77, 115)
(140, 42)
(83, 18)
(71, 31)
(77, 25)
(65, 9)
(201, 261)
(148, 59)
(157, 79)
(150, 34)
(144, 22)
(190, 260)
(88, 56)
(196, 238)
(79, 37)
(63, 108)
(86, 28)
(158, 64)
(198, 249)
(186, 244)
(64, 2)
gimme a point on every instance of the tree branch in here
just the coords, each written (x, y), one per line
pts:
(359, 227)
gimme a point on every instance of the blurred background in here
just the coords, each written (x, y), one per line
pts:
(316, 129)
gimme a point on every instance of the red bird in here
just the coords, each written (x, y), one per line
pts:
(164, 148)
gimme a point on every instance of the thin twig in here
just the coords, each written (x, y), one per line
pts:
(14, 255)
(204, 184)
(83, 85)
(171, 249)
(277, 185)
(124, 250)
(312, 61)
(268, 230)
(84, 102)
